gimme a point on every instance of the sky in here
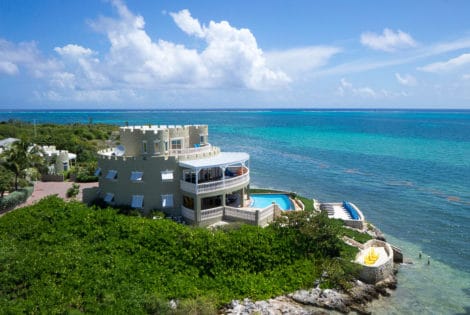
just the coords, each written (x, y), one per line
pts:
(146, 54)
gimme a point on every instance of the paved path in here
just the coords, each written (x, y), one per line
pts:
(43, 189)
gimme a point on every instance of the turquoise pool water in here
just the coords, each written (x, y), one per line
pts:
(264, 200)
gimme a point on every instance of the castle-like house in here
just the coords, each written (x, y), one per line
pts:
(173, 169)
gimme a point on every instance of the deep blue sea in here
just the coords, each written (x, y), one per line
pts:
(408, 171)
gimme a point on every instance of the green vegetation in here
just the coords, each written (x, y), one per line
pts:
(64, 257)
(73, 191)
(6, 180)
(354, 234)
(15, 198)
(19, 158)
(83, 139)
(308, 203)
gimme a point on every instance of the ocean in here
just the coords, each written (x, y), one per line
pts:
(408, 171)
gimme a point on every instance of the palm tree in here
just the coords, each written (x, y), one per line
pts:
(21, 156)
(6, 179)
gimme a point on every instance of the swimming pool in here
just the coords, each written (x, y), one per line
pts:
(264, 200)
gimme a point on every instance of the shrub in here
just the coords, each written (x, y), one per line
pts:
(86, 173)
(62, 256)
(15, 198)
(73, 191)
(85, 178)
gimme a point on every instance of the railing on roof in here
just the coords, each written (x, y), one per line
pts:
(183, 154)
(195, 150)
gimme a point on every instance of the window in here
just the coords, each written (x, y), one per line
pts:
(98, 172)
(156, 147)
(109, 197)
(144, 146)
(137, 176)
(167, 201)
(188, 202)
(176, 144)
(166, 146)
(202, 139)
(167, 176)
(112, 174)
(137, 201)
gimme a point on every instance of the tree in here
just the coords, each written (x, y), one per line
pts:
(6, 178)
(21, 156)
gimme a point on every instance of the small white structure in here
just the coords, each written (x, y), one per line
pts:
(376, 257)
(6, 143)
(60, 160)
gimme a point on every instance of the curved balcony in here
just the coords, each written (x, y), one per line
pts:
(213, 186)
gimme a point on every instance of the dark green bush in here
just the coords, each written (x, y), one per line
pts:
(64, 257)
(15, 198)
(85, 178)
(73, 191)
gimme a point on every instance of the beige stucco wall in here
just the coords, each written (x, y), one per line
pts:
(152, 186)
(132, 138)
(152, 163)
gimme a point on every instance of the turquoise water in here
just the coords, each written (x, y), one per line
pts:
(264, 200)
(408, 171)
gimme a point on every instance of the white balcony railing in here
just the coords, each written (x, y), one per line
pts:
(212, 213)
(188, 213)
(216, 185)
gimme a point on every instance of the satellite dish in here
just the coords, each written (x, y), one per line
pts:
(119, 150)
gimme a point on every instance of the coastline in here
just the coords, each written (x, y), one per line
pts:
(316, 301)
(395, 188)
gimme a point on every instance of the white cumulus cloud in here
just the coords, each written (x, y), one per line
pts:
(73, 51)
(406, 79)
(187, 23)
(14, 57)
(8, 67)
(448, 65)
(298, 61)
(346, 88)
(232, 56)
(388, 41)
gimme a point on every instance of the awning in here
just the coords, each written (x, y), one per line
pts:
(111, 174)
(137, 176)
(98, 172)
(222, 159)
(167, 201)
(137, 201)
(167, 175)
(108, 198)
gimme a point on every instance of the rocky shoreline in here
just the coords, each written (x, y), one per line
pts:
(317, 301)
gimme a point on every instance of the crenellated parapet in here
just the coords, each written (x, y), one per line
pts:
(157, 140)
